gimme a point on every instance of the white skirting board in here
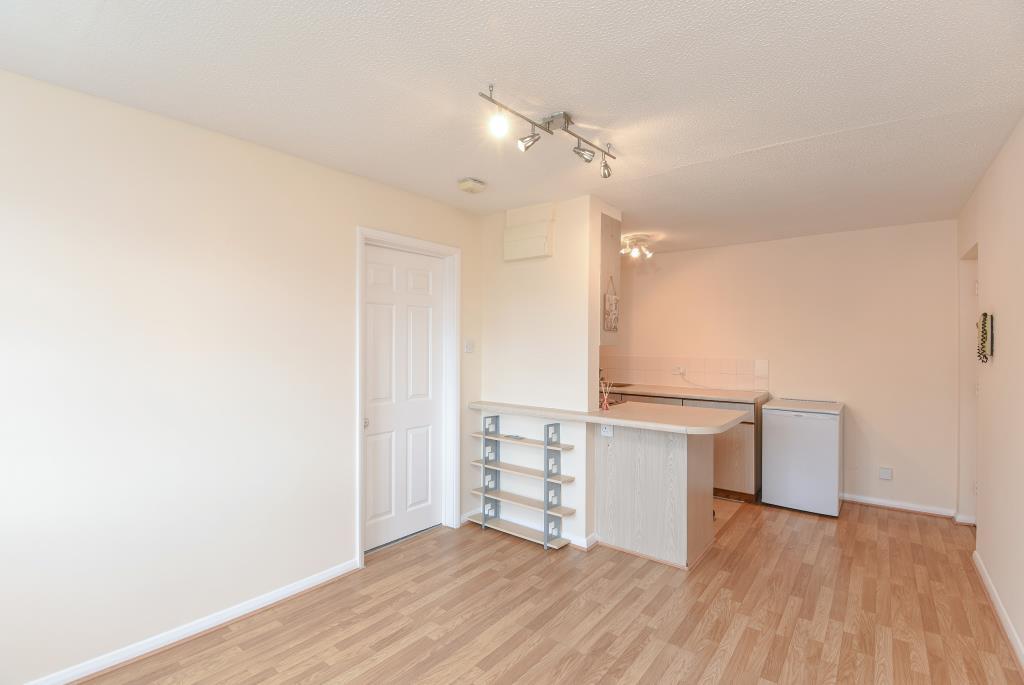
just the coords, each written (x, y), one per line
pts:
(1004, 618)
(894, 504)
(965, 519)
(150, 644)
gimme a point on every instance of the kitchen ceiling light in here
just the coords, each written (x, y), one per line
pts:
(526, 142)
(636, 245)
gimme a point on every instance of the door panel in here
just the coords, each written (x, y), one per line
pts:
(380, 353)
(418, 467)
(401, 367)
(419, 353)
(380, 476)
(734, 459)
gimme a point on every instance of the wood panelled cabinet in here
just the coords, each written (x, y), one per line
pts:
(737, 451)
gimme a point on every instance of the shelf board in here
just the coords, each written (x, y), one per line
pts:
(527, 502)
(501, 437)
(518, 530)
(524, 471)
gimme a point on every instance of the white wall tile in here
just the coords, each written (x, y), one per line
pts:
(712, 372)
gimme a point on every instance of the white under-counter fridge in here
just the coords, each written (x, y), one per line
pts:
(802, 455)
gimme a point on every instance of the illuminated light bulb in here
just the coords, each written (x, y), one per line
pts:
(635, 252)
(498, 125)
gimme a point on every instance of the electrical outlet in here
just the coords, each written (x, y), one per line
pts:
(468, 347)
(606, 431)
(885, 473)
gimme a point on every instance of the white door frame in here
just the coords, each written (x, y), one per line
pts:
(450, 440)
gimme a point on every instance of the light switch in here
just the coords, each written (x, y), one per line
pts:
(885, 473)
(468, 347)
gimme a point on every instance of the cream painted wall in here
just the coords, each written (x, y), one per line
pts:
(536, 314)
(177, 365)
(967, 435)
(866, 317)
(611, 271)
(994, 219)
(541, 325)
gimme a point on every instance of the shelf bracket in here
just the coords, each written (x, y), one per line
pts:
(552, 490)
(490, 478)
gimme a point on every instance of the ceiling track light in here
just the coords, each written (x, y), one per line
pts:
(584, 149)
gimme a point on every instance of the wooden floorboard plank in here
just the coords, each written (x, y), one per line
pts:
(873, 596)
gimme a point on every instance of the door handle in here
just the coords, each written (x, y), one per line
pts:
(366, 423)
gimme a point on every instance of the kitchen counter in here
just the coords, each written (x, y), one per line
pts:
(651, 474)
(655, 417)
(687, 393)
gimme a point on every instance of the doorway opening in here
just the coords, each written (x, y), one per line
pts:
(407, 389)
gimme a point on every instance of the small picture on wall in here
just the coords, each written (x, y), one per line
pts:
(611, 307)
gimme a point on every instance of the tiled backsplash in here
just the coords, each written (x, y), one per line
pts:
(731, 374)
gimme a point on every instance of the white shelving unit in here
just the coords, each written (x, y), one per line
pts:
(492, 497)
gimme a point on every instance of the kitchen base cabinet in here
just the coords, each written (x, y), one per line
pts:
(737, 452)
(735, 474)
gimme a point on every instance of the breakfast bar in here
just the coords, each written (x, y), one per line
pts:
(649, 474)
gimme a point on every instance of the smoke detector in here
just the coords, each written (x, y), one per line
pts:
(472, 185)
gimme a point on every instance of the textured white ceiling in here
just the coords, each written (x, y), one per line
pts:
(736, 120)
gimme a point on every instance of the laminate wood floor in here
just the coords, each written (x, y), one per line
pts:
(877, 596)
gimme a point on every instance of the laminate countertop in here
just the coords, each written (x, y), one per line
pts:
(666, 418)
(684, 393)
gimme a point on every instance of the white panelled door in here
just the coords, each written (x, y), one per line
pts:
(402, 402)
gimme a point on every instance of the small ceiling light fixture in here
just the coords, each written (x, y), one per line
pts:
(584, 149)
(584, 153)
(472, 185)
(526, 142)
(499, 122)
(636, 245)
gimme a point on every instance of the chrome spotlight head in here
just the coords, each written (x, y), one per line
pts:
(526, 142)
(584, 153)
(606, 171)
